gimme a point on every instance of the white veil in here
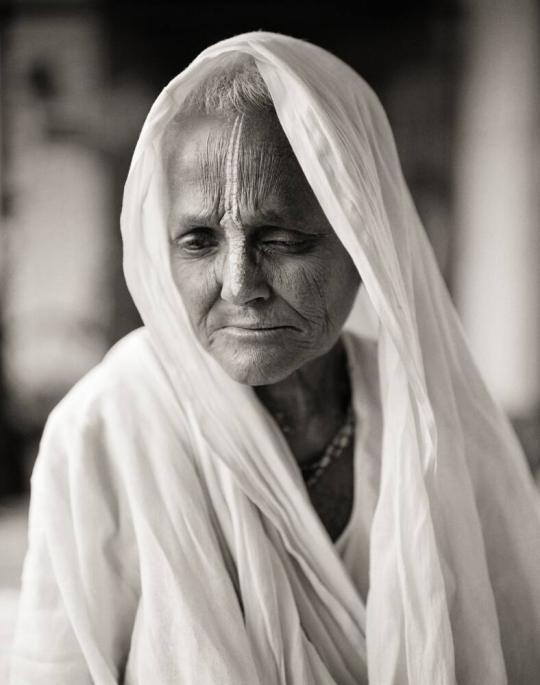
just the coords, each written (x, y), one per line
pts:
(455, 543)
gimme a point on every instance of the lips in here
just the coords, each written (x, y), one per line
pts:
(247, 319)
(256, 327)
(257, 333)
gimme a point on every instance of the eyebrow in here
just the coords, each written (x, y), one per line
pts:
(268, 216)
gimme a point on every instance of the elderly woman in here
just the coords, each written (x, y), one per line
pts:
(242, 492)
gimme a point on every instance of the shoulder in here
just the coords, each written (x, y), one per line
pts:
(81, 510)
(118, 379)
(86, 431)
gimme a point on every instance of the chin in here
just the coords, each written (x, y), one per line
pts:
(257, 369)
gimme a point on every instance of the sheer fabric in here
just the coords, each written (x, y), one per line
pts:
(160, 478)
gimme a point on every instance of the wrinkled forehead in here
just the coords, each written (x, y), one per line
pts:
(209, 155)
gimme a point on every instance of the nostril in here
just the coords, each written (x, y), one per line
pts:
(242, 278)
(244, 285)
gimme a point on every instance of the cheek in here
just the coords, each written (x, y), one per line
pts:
(197, 285)
(321, 288)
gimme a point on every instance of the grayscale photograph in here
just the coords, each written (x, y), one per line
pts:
(269, 343)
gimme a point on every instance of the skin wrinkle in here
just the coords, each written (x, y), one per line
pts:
(262, 165)
(212, 168)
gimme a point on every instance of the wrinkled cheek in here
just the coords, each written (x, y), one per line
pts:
(198, 288)
(303, 286)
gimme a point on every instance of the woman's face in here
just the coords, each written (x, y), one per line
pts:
(266, 283)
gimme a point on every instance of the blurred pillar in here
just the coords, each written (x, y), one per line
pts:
(497, 273)
(55, 302)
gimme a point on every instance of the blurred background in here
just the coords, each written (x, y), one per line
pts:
(459, 81)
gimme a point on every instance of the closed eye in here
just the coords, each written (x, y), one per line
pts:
(285, 239)
(198, 240)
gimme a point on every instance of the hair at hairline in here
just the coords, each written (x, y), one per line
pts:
(233, 88)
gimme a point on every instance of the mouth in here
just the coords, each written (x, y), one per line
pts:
(256, 330)
(257, 327)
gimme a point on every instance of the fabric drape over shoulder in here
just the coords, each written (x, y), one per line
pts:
(170, 525)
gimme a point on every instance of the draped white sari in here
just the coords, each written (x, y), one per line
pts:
(170, 527)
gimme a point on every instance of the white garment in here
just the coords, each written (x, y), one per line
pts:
(353, 543)
(164, 496)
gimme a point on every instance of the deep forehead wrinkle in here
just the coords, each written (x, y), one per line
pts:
(211, 164)
(261, 171)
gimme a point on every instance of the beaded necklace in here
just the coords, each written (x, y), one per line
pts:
(339, 443)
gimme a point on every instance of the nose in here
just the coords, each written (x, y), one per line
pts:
(242, 279)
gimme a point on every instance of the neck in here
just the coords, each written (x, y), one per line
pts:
(310, 405)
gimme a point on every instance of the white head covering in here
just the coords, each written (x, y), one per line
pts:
(439, 602)
(455, 542)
